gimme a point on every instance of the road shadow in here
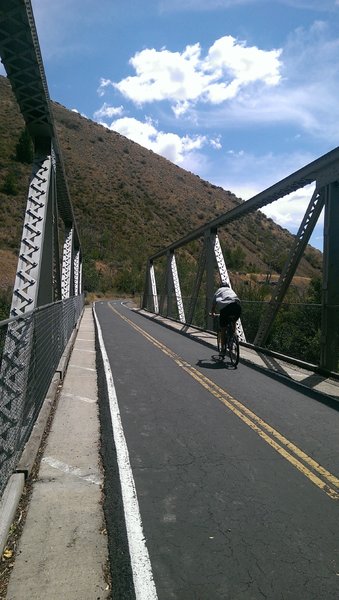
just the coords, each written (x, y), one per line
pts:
(215, 363)
(270, 369)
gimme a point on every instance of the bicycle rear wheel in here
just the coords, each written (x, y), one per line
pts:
(233, 350)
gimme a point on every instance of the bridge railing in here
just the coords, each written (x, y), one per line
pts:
(209, 267)
(30, 350)
(295, 333)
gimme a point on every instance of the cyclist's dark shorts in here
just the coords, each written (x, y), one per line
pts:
(232, 310)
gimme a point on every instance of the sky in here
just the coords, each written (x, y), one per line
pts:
(239, 92)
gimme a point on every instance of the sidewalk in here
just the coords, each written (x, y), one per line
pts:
(62, 552)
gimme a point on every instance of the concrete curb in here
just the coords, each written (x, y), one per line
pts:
(64, 360)
(13, 490)
(9, 504)
(32, 446)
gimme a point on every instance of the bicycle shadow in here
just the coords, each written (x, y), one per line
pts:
(215, 362)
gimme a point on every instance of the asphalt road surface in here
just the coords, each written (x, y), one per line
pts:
(236, 473)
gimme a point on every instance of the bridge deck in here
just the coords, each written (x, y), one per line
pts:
(232, 499)
(293, 370)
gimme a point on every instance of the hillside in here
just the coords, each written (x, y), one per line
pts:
(129, 202)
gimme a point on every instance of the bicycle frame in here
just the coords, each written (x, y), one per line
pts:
(231, 345)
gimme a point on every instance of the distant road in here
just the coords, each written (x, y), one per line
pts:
(236, 473)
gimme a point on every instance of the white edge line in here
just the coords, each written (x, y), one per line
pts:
(141, 566)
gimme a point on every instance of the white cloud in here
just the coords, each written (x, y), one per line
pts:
(104, 83)
(311, 75)
(246, 64)
(164, 75)
(79, 113)
(107, 111)
(293, 106)
(216, 143)
(186, 78)
(248, 175)
(289, 211)
(306, 97)
(177, 149)
(202, 5)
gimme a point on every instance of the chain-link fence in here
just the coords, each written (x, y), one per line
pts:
(30, 350)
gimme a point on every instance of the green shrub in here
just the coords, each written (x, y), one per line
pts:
(5, 303)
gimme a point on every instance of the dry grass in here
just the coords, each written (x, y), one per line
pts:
(129, 201)
(8, 262)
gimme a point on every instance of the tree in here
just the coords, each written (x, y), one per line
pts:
(235, 258)
(91, 276)
(24, 148)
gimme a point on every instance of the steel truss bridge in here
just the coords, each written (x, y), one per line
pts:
(47, 297)
(324, 173)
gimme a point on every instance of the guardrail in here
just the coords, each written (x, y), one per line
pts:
(31, 347)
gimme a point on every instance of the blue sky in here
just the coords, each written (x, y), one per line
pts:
(240, 92)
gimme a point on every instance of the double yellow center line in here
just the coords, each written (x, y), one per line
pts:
(317, 474)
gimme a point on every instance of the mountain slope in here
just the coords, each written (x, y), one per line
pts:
(128, 202)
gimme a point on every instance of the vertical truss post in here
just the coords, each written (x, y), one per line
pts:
(219, 257)
(150, 300)
(210, 266)
(172, 284)
(56, 267)
(169, 285)
(177, 289)
(34, 272)
(196, 285)
(67, 266)
(56, 250)
(224, 278)
(329, 344)
(80, 278)
(47, 291)
(164, 291)
(27, 281)
(77, 273)
(147, 287)
(154, 289)
(167, 290)
(301, 240)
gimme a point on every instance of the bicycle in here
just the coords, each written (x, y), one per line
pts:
(231, 343)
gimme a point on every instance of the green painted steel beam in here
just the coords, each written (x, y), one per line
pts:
(329, 358)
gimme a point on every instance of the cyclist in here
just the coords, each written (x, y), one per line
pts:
(228, 304)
